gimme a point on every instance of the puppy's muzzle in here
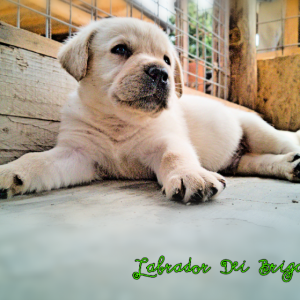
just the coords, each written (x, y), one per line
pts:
(147, 88)
(158, 85)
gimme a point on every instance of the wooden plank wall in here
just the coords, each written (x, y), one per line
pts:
(30, 78)
(33, 88)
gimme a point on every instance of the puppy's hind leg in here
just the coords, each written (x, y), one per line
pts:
(53, 169)
(294, 136)
(285, 166)
(262, 138)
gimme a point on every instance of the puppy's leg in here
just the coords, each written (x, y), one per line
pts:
(285, 166)
(59, 167)
(183, 178)
(298, 136)
(264, 139)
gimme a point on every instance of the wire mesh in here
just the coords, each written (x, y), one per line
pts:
(198, 29)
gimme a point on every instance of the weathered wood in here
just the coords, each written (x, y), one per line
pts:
(32, 85)
(21, 135)
(7, 156)
(288, 51)
(27, 40)
(278, 91)
(243, 87)
(24, 134)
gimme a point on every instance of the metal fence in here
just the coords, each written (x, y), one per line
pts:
(198, 29)
(278, 26)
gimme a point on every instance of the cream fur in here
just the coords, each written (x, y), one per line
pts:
(104, 134)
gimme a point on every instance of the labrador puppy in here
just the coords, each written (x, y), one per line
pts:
(129, 120)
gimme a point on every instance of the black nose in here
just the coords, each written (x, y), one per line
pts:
(158, 73)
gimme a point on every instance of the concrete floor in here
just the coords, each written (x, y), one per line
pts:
(81, 243)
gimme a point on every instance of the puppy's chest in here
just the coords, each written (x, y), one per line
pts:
(123, 161)
(119, 153)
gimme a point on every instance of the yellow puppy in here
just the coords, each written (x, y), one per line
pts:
(128, 119)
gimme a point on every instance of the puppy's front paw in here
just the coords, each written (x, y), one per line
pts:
(197, 186)
(11, 183)
(291, 166)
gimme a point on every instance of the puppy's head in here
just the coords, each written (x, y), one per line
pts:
(125, 62)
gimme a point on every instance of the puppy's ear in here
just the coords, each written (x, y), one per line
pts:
(178, 76)
(74, 55)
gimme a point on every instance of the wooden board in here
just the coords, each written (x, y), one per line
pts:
(288, 51)
(278, 91)
(32, 85)
(21, 135)
(10, 35)
(7, 156)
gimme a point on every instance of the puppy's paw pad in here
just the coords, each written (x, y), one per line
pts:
(297, 171)
(11, 183)
(3, 194)
(198, 197)
(291, 165)
(18, 181)
(296, 157)
(213, 191)
(179, 193)
(195, 187)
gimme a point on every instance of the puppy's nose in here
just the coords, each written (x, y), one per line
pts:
(158, 73)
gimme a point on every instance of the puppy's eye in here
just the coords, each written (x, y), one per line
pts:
(121, 50)
(167, 60)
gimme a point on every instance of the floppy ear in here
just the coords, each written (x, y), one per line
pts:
(178, 76)
(74, 55)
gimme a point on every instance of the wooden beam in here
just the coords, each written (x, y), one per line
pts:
(274, 54)
(243, 63)
(278, 91)
(21, 135)
(20, 38)
(291, 34)
(32, 85)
